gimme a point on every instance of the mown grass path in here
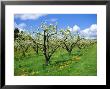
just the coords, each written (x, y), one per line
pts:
(87, 64)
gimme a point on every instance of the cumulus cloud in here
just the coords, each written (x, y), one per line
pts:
(29, 16)
(75, 28)
(53, 19)
(20, 26)
(89, 33)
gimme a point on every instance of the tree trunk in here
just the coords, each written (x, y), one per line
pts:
(37, 50)
(24, 54)
(45, 49)
(69, 52)
(47, 61)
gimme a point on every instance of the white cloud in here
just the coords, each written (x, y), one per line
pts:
(93, 27)
(75, 28)
(29, 16)
(53, 19)
(20, 26)
(89, 33)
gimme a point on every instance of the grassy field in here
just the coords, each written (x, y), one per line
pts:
(79, 63)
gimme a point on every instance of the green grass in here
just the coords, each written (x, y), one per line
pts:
(61, 64)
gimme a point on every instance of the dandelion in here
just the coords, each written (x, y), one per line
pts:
(37, 72)
(60, 67)
(77, 58)
(33, 73)
(23, 70)
(23, 75)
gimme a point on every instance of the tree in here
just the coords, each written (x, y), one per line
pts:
(22, 42)
(16, 33)
(36, 40)
(70, 39)
(48, 41)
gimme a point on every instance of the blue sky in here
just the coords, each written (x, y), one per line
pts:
(83, 22)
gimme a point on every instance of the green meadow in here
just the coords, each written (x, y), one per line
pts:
(79, 63)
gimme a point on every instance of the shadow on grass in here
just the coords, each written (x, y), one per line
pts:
(64, 58)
